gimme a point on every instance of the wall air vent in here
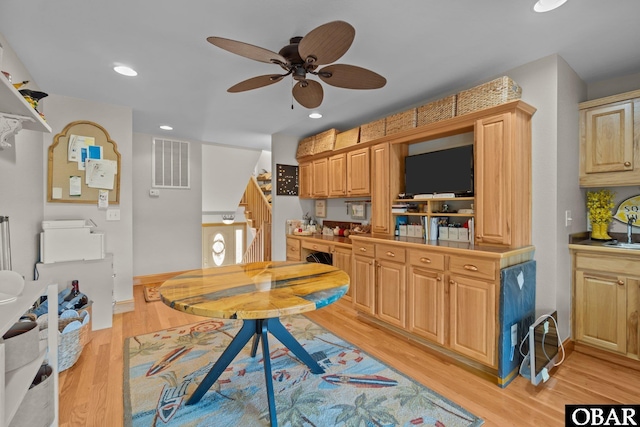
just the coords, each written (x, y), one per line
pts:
(170, 164)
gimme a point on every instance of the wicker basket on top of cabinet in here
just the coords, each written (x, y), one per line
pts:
(372, 130)
(486, 95)
(325, 141)
(400, 121)
(305, 147)
(435, 111)
(347, 138)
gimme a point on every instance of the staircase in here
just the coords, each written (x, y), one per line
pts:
(257, 211)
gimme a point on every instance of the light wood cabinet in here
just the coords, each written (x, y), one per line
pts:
(610, 141)
(391, 287)
(338, 175)
(606, 300)
(503, 179)
(387, 161)
(320, 178)
(304, 180)
(293, 249)
(358, 172)
(427, 312)
(342, 260)
(363, 277)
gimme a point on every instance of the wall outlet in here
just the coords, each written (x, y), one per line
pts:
(154, 192)
(567, 218)
(113, 214)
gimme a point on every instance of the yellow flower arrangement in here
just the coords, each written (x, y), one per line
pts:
(600, 204)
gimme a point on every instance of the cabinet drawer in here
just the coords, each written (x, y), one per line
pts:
(293, 250)
(392, 253)
(363, 249)
(316, 247)
(426, 259)
(599, 262)
(473, 267)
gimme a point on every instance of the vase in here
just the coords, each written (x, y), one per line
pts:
(599, 231)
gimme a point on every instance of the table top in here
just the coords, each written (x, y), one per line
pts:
(259, 290)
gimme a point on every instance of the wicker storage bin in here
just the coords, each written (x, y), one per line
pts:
(347, 138)
(70, 344)
(37, 408)
(305, 147)
(400, 121)
(372, 130)
(325, 141)
(435, 111)
(21, 345)
(486, 95)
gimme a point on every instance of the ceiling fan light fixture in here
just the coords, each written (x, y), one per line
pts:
(547, 5)
(125, 71)
(228, 218)
(315, 115)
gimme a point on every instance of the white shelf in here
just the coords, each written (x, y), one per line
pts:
(11, 312)
(12, 102)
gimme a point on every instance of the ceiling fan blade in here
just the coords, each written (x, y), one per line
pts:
(255, 83)
(247, 50)
(309, 96)
(327, 43)
(351, 77)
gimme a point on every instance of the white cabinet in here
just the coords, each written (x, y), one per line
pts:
(14, 384)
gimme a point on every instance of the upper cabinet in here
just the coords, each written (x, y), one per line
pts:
(358, 176)
(610, 141)
(16, 113)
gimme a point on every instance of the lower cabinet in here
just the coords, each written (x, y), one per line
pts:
(426, 304)
(391, 292)
(363, 278)
(293, 249)
(342, 260)
(607, 301)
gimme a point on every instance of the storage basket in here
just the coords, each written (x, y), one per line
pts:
(372, 130)
(21, 345)
(489, 94)
(435, 111)
(305, 147)
(347, 138)
(325, 141)
(400, 121)
(37, 407)
(70, 345)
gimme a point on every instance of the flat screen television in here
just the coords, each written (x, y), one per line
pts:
(443, 171)
(543, 346)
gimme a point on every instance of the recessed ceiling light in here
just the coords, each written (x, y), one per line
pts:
(125, 71)
(166, 127)
(315, 115)
(547, 5)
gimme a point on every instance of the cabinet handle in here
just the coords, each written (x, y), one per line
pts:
(363, 249)
(452, 282)
(438, 279)
(627, 164)
(425, 260)
(620, 282)
(391, 254)
(315, 247)
(470, 267)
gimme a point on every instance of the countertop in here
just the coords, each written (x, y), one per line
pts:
(582, 241)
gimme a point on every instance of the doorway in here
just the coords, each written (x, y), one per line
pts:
(223, 244)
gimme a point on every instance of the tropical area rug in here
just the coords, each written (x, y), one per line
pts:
(162, 369)
(151, 293)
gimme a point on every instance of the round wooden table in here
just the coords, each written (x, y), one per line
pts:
(258, 293)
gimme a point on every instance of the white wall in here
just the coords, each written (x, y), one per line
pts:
(264, 163)
(117, 121)
(283, 151)
(167, 229)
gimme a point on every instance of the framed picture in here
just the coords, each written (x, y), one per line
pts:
(286, 180)
(321, 208)
(358, 210)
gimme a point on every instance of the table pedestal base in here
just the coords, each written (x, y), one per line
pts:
(256, 328)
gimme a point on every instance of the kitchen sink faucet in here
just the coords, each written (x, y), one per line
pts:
(630, 220)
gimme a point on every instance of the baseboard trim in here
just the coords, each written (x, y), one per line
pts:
(155, 278)
(123, 306)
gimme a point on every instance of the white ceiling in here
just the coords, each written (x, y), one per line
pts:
(425, 49)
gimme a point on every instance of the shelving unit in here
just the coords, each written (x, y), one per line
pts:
(14, 384)
(429, 208)
(264, 179)
(16, 113)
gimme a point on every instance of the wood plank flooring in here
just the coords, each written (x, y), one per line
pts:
(91, 391)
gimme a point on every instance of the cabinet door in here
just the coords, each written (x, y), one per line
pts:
(363, 283)
(601, 310)
(304, 180)
(472, 320)
(293, 249)
(391, 292)
(380, 201)
(342, 260)
(320, 181)
(337, 175)
(426, 304)
(493, 182)
(609, 138)
(358, 180)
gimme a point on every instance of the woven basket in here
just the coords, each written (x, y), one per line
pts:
(487, 95)
(372, 130)
(400, 121)
(305, 147)
(435, 111)
(347, 138)
(70, 345)
(325, 141)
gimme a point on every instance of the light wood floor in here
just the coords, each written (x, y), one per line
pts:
(91, 390)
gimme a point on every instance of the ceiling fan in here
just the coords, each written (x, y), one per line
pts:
(301, 57)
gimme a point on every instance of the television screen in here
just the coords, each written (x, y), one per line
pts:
(444, 171)
(543, 346)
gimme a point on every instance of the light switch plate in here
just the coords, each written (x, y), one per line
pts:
(113, 214)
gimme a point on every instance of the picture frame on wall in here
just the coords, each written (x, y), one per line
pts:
(358, 210)
(321, 209)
